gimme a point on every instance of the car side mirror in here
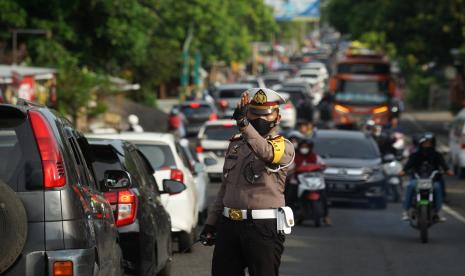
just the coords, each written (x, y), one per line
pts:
(208, 161)
(117, 179)
(173, 187)
(198, 168)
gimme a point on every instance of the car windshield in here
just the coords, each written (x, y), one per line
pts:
(311, 76)
(158, 155)
(362, 92)
(220, 132)
(231, 93)
(363, 68)
(329, 147)
(254, 83)
(271, 82)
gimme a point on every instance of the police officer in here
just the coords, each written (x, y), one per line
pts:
(242, 221)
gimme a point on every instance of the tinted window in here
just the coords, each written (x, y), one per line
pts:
(364, 92)
(158, 155)
(20, 164)
(220, 132)
(254, 83)
(295, 95)
(231, 93)
(271, 82)
(363, 68)
(329, 147)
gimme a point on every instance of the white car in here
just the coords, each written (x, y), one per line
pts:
(228, 95)
(199, 171)
(319, 66)
(457, 143)
(213, 141)
(288, 113)
(166, 157)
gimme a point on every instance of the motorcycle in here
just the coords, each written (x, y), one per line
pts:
(392, 169)
(422, 212)
(309, 192)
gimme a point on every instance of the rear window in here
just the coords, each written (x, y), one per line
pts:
(20, 163)
(271, 82)
(337, 148)
(196, 109)
(220, 132)
(231, 93)
(158, 155)
(363, 68)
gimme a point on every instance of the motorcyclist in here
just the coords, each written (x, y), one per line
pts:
(304, 156)
(295, 137)
(306, 128)
(426, 155)
(134, 125)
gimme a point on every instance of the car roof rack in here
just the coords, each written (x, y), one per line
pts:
(24, 102)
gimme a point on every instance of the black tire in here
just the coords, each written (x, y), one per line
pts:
(395, 193)
(317, 211)
(185, 241)
(422, 222)
(13, 226)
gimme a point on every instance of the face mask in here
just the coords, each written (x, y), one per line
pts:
(304, 151)
(262, 126)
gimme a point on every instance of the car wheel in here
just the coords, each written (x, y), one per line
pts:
(185, 241)
(13, 226)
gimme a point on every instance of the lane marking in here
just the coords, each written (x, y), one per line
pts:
(453, 213)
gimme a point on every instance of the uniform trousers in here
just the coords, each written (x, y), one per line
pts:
(253, 244)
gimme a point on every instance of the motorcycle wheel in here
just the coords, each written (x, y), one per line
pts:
(317, 210)
(422, 222)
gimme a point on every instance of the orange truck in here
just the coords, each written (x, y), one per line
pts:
(362, 89)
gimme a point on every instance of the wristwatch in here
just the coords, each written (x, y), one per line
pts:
(243, 123)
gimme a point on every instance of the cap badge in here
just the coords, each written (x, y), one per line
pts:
(260, 97)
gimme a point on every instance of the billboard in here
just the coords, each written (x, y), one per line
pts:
(292, 10)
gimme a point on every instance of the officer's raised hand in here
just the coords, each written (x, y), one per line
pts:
(241, 109)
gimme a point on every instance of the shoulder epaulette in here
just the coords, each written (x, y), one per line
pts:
(236, 137)
(274, 137)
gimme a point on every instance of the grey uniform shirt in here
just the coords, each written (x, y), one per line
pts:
(247, 184)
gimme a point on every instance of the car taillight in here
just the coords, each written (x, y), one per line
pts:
(63, 268)
(124, 203)
(213, 117)
(174, 121)
(195, 105)
(228, 124)
(287, 106)
(52, 162)
(463, 146)
(223, 104)
(177, 175)
(199, 149)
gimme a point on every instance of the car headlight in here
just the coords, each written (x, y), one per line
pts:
(377, 174)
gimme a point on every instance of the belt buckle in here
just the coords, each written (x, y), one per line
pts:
(235, 214)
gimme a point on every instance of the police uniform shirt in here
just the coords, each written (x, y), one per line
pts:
(254, 173)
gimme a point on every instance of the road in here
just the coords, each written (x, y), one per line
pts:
(362, 241)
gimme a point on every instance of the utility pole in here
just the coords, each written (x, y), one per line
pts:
(185, 59)
(16, 32)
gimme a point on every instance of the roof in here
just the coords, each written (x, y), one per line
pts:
(134, 136)
(39, 73)
(350, 134)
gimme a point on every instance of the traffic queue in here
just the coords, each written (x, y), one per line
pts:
(115, 203)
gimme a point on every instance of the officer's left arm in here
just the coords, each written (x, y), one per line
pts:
(278, 151)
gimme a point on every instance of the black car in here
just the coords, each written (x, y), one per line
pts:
(196, 114)
(354, 171)
(56, 221)
(301, 100)
(143, 223)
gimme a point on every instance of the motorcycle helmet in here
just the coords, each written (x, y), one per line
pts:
(427, 136)
(305, 146)
(295, 137)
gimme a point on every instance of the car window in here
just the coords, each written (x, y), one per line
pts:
(220, 132)
(105, 158)
(147, 171)
(158, 155)
(82, 172)
(337, 148)
(196, 109)
(271, 82)
(20, 163)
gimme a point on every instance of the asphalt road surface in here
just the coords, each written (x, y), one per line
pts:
(362, 241)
